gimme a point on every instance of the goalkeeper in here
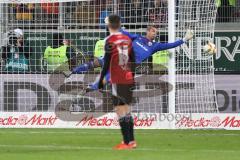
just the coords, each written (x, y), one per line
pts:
(143, 47)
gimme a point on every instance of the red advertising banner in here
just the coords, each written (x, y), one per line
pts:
(110, 121)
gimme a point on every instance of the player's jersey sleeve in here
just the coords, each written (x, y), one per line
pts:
(164, 46)
(106, 60)
(130, 35)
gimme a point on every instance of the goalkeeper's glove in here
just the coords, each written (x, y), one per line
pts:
(188, 35)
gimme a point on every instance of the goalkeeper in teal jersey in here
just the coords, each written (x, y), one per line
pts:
(143, 47)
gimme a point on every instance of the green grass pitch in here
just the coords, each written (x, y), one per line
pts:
(93, 144)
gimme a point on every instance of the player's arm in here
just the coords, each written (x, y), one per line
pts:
(165, 46)
(130, 35)
(133, 61)
(105, 69)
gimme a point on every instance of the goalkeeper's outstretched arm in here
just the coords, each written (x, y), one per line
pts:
(130, 35)
(164, 46)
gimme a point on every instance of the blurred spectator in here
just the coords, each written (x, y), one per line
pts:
(160, 59)
(225, 10)
(12, 11)
(85, 13)
(24, 11)
(59, 56)
(105, 11)
(156, 12)
(99, 51)
(51, 11)
(69, 9)
(133, 11)
(99, 48)
(16, 54)
(237, 11)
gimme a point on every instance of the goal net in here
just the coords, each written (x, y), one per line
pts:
(193, 66)
(31, 75)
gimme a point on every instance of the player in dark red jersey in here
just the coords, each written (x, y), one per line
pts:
(119, 61)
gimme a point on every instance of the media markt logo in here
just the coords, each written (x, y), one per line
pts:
(36, 119)
(231, 122)
(22, 119)
(113, 121)
(187, 122)
(93, 121)
(214, 122)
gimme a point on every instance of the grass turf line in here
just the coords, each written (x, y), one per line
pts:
(93, 144)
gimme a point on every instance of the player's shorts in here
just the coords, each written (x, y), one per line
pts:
(122, 94)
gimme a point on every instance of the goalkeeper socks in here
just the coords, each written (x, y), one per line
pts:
(131, 126)
(125, 129)
(83, 68)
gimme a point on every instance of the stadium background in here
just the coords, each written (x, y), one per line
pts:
(40, 20)
(84, 144)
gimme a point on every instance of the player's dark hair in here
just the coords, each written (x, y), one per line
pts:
(114, 21)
